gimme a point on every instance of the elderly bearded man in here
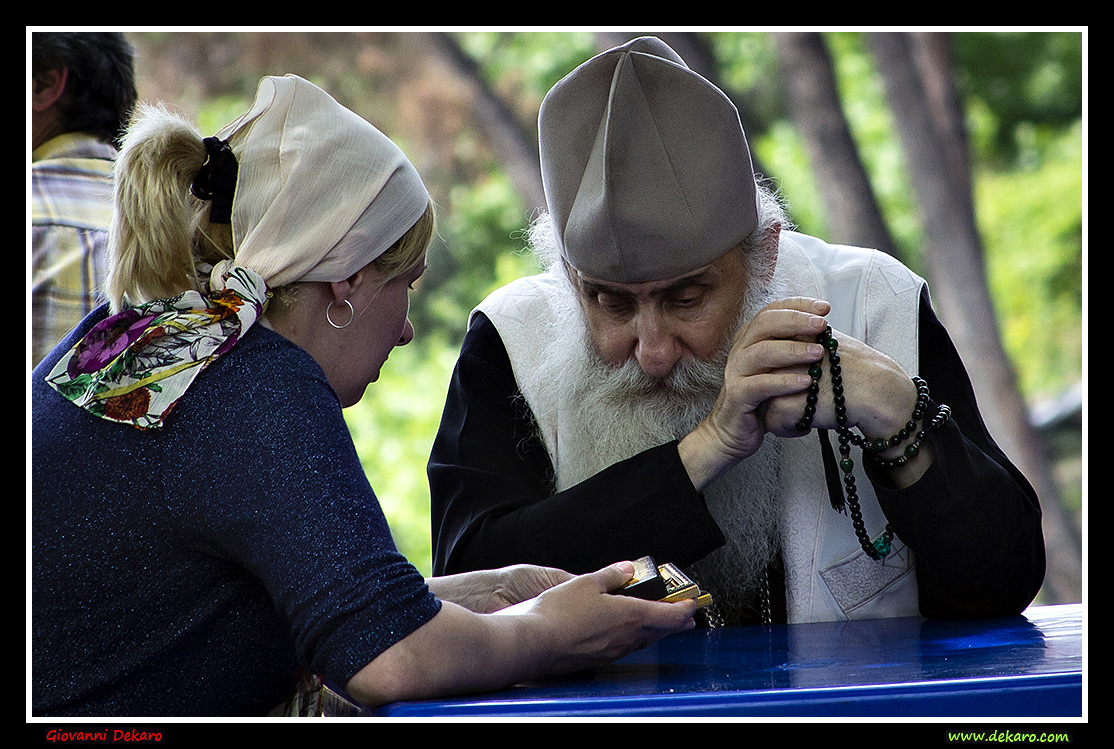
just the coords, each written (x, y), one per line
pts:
(642, 396)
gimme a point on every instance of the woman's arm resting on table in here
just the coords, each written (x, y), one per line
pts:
(577, 624)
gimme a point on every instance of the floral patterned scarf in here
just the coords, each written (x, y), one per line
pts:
(133, 366)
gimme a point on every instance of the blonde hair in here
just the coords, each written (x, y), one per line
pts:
(151, 237)
(160, 232)
(408, 250)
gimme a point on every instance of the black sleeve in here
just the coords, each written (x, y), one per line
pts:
(973, 520)
(492, 490)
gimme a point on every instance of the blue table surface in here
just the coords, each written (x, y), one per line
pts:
(1030, 665)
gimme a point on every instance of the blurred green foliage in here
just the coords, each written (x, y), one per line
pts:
(393, 427)
(1034, 260)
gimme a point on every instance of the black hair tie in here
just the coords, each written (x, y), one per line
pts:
(216, 180)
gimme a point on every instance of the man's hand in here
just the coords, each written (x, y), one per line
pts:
(769, 359)
(879, 397)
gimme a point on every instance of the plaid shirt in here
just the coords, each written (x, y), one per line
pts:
(71, 206)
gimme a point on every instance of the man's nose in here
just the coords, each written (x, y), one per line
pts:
(657, 350)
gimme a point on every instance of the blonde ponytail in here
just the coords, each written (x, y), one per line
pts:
(155, 219)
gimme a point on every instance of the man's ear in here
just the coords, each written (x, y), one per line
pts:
(47, 88)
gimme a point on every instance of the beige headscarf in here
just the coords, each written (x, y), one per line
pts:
(310, 170)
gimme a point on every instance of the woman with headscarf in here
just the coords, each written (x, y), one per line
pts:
(202, 527)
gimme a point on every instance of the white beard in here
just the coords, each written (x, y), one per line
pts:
(608, 413)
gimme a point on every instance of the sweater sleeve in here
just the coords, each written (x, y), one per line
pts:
(297, 512)
(492, 491)
(973, 520)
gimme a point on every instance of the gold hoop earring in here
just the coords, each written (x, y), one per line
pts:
(351, 315)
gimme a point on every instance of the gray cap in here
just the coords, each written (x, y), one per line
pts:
(645, 165)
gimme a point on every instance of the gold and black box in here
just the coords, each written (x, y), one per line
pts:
(665, 582)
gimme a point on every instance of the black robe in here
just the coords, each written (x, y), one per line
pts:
(972, 521)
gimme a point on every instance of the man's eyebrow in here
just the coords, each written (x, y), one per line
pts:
(598, 287)
(602, 287)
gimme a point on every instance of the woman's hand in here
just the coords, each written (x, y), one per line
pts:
(487, 591)
(590, 626)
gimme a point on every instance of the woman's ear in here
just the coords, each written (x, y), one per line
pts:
(364, 283)
(341, 291)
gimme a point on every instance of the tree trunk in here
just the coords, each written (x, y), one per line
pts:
(853, 216)
(517, 149)
(930, 124)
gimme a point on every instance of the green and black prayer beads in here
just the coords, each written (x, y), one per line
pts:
(881, 546)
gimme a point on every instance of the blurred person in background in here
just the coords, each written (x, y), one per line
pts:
(82, 92)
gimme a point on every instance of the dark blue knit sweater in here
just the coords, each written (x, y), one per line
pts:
(190, 570)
